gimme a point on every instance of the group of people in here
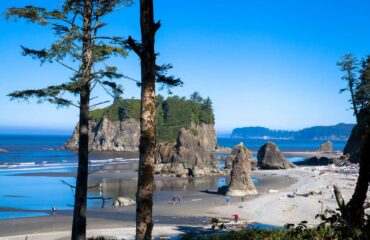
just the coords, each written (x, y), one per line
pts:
(176, 199)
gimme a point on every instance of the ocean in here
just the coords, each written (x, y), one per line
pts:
(284, 145)
(22, 195)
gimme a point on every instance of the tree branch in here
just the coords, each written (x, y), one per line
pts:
(134, 46)
(340, 200)
(157, 25)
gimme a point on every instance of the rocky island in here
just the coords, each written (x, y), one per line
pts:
(270, 157)
(186, 137)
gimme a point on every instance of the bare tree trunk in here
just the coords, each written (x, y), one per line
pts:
(79, 213)
(351, 90)
(144, 195)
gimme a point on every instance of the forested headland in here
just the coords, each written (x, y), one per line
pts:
(173, 113)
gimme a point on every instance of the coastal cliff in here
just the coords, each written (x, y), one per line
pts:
(117, 127)
(355, 141)
(108, 135)
(186, 137)
(191, 155)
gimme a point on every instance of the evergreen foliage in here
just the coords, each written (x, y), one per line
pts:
(173, 114)
(357, 77)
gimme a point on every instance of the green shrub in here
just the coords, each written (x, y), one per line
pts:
(194, 131)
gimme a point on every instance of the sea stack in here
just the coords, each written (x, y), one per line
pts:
(192, 155)
(240, 177)
(270, 157)
(326, 147)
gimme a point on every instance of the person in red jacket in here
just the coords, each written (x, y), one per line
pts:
(236, 217)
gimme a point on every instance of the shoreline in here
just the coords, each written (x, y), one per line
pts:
(199, 201)
(270, 206)
(195, 209)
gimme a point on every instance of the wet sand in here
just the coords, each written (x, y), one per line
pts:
(195, 209)
(199, 201)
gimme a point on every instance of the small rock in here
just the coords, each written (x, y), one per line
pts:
(3, 150)
(326, 147)
(123, 202)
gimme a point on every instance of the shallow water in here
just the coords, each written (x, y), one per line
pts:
(35, 154)
(11, 215)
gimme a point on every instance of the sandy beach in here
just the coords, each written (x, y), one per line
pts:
(199, 202)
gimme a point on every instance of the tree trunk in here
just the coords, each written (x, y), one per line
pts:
(353, 212)
(79, 213)
(144, 195)
(354, 102)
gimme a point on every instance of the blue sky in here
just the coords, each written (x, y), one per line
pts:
(268, 63)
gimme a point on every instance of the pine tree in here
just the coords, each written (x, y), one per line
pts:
(362, 91)
(358, 145)
(349, 66)
(150, 74)
(81, 49)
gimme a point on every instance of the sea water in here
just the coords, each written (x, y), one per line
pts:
(28, 196)
(284, 145)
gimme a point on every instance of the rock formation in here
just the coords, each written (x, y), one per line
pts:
(233, 154)
(355, 141)
(270, 157)
(240, 177)
(326, 147)
(3, 150)
(322, 161)
(107, 135)
(315, 161)
(192, 155)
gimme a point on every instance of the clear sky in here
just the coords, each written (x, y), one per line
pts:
(267, 63)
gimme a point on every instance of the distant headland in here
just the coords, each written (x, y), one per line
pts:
(339, 131)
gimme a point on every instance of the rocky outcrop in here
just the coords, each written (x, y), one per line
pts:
(355, 141)
(231, 157)
(323, 161)
(326, 147)
(107, 135)
(192, 155)
(315, 161)
(270, 157)
(3, 150)
(240, 177)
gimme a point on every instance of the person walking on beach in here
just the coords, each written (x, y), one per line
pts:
(228, 201)
(236, 217)
(53, 210)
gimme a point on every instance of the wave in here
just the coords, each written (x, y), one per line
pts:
(45, 165)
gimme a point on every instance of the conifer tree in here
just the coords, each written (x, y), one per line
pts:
(150, 74)
(82, 50)
(349, 65)
(358, 145)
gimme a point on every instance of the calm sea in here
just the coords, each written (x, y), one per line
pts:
(33, 153)
(284, 145)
